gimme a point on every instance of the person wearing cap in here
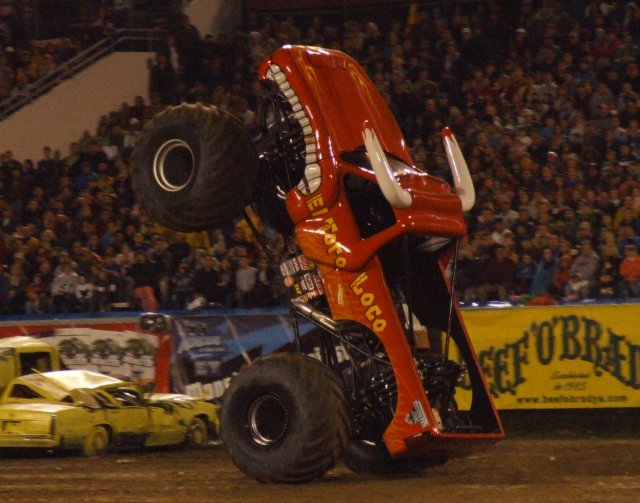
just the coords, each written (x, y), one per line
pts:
(630, 272)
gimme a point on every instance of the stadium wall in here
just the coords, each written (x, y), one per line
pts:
(75, 105)
(554, 357)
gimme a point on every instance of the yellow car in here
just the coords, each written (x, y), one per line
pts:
(94, 413)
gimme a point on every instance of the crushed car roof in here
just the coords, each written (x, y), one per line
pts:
(71, 379)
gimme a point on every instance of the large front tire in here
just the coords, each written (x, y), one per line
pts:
(194, 167)
(285, 419)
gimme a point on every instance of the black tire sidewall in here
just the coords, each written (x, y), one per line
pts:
(223, 174)
(298, 456)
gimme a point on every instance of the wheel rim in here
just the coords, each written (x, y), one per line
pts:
(267, 420)
(100, 442)
(198, 434)
(173, 165)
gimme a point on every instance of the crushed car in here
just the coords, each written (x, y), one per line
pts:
(95, 413)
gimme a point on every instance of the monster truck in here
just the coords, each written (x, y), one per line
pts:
(369, 240)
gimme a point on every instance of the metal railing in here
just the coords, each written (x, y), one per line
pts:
(124, 40)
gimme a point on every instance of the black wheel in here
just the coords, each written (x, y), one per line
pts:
(285, 419)
(97, 442)
(198, 433)
(194, 167)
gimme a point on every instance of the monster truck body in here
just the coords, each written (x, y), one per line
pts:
(370, 238)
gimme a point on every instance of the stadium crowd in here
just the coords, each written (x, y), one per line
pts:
(543, 96)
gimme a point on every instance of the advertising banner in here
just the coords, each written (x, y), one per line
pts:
(208, 349)
(110, 346)
(574, 356)
(578, 356)
(125, 354)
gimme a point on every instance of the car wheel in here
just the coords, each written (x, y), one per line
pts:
(198, 434)
(194, 167)
(284, 418)
(97, 442)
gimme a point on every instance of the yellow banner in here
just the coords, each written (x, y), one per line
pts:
(558, 357)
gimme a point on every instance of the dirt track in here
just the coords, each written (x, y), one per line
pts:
(516, 470)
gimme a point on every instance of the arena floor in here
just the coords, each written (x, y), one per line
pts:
(515, 470)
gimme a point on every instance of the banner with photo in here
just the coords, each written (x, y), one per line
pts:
(578, 356)
(125, 354)
(209, 349)
(111, 346)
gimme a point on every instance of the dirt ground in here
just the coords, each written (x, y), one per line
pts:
(563, 465)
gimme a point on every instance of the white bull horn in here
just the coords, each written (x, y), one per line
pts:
(459, 169)
(393, 192)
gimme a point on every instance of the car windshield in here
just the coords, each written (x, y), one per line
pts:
(125, 397)
(38, 387)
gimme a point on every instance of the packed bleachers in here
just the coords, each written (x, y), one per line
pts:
(542, 95)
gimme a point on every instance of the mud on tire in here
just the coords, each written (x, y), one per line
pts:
(284, 419)
(194, 167)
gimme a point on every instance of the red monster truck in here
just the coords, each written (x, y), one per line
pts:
(369, 239)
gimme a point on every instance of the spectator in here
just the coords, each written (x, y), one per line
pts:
(500, 230)
(63, 289)
(182, 286)
(561, 275)
(499, 276)
(161, 259)
(584, 271)
(469, 272)
(544, 273)
(104, 284)
(245, 281)
(608, 276)
(263, 290)
(205, 279)
(163, 79)
(630, 272)
(143, 274)
(225, 285)
(180, 250)
(525, 270)
(84, 294)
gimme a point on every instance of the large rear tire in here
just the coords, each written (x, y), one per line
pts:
(285, 419)
(194, 167)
